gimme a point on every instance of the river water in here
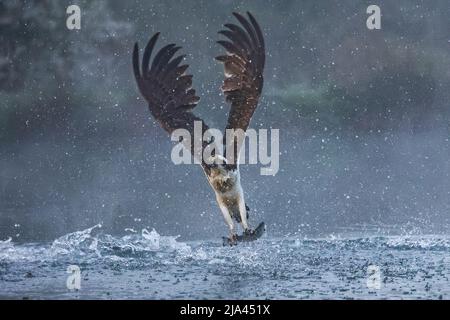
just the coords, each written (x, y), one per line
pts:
(147, 265)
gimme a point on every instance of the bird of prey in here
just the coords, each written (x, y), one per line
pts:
(167, 88)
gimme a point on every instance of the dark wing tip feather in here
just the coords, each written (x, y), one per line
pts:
(182, 69)
(173, 64)
(229, 46)
(163, 56)
(148, 52)
(137, 72)
(237, 15)
(257, 29)
(221, 58)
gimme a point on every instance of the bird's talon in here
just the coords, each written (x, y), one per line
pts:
(249, 232)
(233, 240)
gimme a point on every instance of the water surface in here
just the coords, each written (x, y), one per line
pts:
(147, 265)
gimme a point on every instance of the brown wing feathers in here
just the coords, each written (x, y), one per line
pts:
(164, 84)
(167, 88)
(244, 65)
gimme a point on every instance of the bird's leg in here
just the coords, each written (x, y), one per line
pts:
(229, 221)
(243, 213)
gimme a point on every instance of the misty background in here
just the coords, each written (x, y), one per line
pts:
(363, 118)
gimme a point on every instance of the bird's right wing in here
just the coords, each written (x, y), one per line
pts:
(168, 89)
(244, 65)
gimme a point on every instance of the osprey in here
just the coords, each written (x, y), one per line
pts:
(170, 96)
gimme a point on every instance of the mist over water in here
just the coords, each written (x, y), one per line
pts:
(363, 118)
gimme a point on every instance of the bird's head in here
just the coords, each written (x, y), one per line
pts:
(217, 164)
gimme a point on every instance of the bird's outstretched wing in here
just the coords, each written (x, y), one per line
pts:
(244, 65)
(168, 89)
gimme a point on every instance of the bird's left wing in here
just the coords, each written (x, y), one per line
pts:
(168, 90)
(244, 65)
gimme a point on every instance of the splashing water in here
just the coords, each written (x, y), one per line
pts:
(148, 265)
